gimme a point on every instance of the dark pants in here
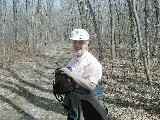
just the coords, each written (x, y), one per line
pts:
(89, 112)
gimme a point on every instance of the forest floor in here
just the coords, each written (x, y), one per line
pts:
(26, 89)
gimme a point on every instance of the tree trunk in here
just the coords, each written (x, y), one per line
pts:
(134, 51)
(147, 32)
(81, 8)
(113, 53)
(156, 4)
(15, 22)
(96, 29)
(27, 26)
(142, 50)
(6, 48)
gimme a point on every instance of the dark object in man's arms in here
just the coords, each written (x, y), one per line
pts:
(62, 83)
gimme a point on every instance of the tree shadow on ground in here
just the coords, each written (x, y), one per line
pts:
(41, 102)
(43, 74)
(25, 115)
(15, 75)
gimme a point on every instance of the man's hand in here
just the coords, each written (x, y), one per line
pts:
(66, 71)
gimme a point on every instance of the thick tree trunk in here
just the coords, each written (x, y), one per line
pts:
(134, 42)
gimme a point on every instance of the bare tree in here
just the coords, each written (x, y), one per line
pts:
(156, 4)
(96, 29)
(142, 49)
(27, 25)
(3, 39)
(15, 21)
(113, 54)
(134, 41)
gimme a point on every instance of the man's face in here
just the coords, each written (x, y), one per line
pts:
(79, 47)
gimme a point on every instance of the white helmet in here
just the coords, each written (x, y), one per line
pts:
(79, 34)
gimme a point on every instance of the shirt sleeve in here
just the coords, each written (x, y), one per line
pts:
(95, 73)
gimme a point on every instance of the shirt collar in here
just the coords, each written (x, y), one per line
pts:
(79, 59)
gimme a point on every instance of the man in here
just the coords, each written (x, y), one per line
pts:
(86, 72)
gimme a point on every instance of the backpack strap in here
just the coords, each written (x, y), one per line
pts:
(60, 98)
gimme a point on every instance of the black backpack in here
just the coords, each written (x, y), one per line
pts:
(62, 85)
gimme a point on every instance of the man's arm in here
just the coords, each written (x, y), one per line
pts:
(85, 83)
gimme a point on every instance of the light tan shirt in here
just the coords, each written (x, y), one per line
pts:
(87, 66)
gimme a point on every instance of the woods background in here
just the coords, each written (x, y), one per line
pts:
(124, 33)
